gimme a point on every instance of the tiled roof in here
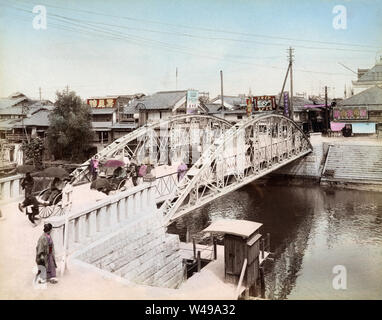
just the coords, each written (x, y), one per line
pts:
(232, 100)
(159, 101)
(38, 119)
(8, 124)
(130, 109)
(7, 102)
(102, 110)
(213, 108)
(12, 111)
(371, 97)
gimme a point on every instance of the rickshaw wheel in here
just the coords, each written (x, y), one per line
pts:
(45, 211)
(57, 209)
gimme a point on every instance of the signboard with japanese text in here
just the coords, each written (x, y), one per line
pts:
(249, 106)
(264, 103)
(356, 113)
(286, 104)
(102, 103)
(192, 101)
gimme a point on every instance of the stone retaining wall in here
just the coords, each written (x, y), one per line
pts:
(141, 252)
(310, 165)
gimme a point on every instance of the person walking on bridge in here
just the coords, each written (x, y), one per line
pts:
(45, 255)
(31, 203)
(94, 163)
(27, 184)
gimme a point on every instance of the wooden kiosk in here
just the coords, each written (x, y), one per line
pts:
(242, 242)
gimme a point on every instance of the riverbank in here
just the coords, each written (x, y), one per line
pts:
(350, 163)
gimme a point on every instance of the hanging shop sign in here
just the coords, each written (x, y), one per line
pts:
(102, 103)
(264, 103)
(286, 104)
(249, 106)
(192, 101)
(356, 113)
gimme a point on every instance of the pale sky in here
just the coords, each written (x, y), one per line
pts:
(125, 47)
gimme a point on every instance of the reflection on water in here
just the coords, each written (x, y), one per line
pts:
(312, 230)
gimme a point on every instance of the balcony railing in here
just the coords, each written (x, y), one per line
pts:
(15, 137)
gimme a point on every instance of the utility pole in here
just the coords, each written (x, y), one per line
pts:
(282, 90)
(176, 78)
(326, 110)
(291, 80)
(221, 90)
(39, 90)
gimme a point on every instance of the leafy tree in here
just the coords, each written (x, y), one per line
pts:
(70, 132)
(33, 151)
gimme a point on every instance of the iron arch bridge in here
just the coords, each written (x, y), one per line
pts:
(242, 154)
(221, 157)
(180, 138)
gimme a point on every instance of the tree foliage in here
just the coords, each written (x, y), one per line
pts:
(33, 151)
(70, 133)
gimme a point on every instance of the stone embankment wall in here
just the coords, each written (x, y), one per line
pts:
(140, 252)
(309, 166)
(348, 164)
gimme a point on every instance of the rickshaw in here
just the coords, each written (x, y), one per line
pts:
(54, 208)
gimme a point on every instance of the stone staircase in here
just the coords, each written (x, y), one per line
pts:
(353, 163)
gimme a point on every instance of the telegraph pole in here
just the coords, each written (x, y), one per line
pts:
(291, 80)
(221, 90)
(326, 110)
(39, 90)
(176, 78)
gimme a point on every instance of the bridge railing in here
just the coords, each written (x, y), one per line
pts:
(165, 186)
(102, 217)
(10, 188)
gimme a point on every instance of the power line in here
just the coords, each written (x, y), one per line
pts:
(139, 41)
(215, 30)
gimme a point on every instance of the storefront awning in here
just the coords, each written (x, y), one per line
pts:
(336, 126)
(368, 127)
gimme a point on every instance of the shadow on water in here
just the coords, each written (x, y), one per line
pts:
(312, 228)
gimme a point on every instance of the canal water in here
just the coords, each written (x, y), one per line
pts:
(313, 229)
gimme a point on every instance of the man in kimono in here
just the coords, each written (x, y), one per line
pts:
(27, 184)
(45, 255)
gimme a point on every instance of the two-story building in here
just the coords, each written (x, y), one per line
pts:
(21, 118)
(111, 117)
(160, 105)
(232, 110)
(362, 113)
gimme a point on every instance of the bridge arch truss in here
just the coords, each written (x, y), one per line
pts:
(240, 155)
(180, 138)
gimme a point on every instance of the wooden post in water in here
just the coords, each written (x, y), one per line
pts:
(194, 247)
(215, 249)
(199, 262)
(262, 282)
